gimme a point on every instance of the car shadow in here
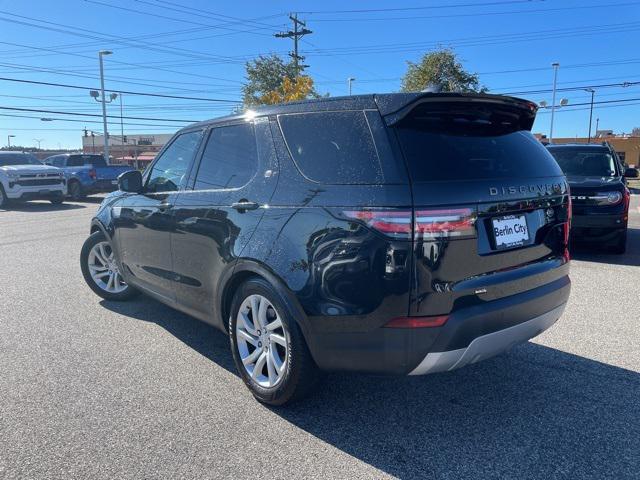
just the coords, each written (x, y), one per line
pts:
(39, 206)
(533, 412)
(599, 254)
(94, 200)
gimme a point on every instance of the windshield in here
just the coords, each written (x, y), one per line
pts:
(585, 162)
(12, 159)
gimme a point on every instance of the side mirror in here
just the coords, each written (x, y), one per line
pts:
(632, 173)
(130, 181)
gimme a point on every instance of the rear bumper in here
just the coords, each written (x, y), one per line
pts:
(471, 334)
(487, 346)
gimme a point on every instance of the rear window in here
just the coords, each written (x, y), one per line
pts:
(333, 147)
(587, 162)
(463, 142)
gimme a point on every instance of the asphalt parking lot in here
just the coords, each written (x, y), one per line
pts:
(92, 389)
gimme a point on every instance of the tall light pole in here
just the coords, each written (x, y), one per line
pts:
(592, 92)
(597, 125)
(38, 141)
(101, 54)
(555, 66)
(349, 80)
(9, 137)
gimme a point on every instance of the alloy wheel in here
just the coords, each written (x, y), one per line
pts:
(262, 341)
(104, 269)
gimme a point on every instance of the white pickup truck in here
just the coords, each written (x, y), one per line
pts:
(23, 177)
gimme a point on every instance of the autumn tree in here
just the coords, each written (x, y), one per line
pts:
(269, 80)
(442, 70)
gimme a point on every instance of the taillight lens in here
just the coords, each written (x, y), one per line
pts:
(451, 222)
(92, 173)
(417, 322)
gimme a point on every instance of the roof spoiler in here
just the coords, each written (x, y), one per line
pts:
(395, 108)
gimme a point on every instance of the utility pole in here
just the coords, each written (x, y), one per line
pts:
(38, 141)
(299, 30)
(121, 130)
(102, 53)
(593, 92)
(555, 66)
(597, 125)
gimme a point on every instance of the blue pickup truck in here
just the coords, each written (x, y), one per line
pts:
(87, 173)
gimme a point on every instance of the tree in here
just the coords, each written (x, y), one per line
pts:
(635, 132)
(442, 70)
(270, 80)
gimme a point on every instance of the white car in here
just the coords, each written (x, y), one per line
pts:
(23, 177)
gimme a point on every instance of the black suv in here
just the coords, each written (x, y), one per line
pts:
(399, 233)
(600, 197)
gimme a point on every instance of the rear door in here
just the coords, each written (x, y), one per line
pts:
(218, 214)
(490, 203)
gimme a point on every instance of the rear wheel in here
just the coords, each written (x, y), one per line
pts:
(75, 190)
(57, 201)
(268, 348)
(100, 269)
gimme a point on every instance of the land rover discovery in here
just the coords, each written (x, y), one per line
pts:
(395, 233)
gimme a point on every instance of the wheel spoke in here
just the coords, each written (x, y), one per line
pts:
(271, 370)
(277, 363)
(247, 323)
(101, 274)
(110, 282)
(274, 337)
(277, 323)
(255, 308)
(262, 312)
(247, 337)
(252, 357)
(257, 369)
(103, 254)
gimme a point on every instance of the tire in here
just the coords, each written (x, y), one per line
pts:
(4, 201)
(57, 201)
(296, 372)
(621, 245)
(100, 263)
(74, 190)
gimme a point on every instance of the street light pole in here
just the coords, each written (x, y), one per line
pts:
(555, 66)
(593, 92)
(102, 53)
(9, 137)
(349, 80)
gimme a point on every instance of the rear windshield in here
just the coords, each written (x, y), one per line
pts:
(585, 162)
(12, 159)
(462, 142)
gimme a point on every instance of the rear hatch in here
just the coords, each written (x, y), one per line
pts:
(491, 205)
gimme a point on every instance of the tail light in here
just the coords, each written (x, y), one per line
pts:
(435, 223)
(566, 229)
(627, 200)
(417, 322)
(92, 173)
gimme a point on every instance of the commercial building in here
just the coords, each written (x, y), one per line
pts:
(136, 150)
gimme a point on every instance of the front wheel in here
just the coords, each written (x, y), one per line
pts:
(268, 347)
(100, 269)
(57, 201)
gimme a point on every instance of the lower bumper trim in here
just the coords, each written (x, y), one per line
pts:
(488, 345)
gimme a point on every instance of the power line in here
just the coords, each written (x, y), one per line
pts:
(430, 7)
(52, 84)
(84, 121)
(57, 112)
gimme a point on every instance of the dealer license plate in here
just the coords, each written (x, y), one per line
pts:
(510, 231)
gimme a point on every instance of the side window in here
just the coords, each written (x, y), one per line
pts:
(169, 172)
(333, 147)
(95, 160)
(230, 159)
(75, 161)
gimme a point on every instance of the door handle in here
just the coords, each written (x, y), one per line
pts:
(244, 205)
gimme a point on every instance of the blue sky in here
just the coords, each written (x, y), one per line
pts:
(197, 48)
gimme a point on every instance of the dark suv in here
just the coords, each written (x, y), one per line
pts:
(599, 193)
(399, 233)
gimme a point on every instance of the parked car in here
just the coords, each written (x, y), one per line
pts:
(600, 197)
(23, 177)
(87, 173)
(396, 233)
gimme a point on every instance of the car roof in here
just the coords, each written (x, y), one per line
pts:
(13, 152)
(386, 103)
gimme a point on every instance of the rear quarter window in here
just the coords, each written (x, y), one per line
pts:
(333, 147)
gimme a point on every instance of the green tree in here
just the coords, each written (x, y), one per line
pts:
(440, 69)
(265, 82)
